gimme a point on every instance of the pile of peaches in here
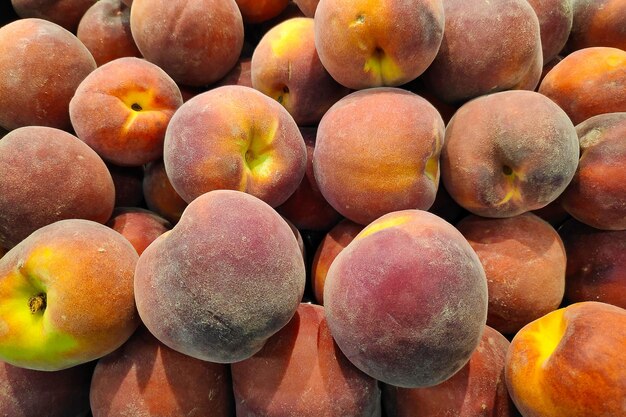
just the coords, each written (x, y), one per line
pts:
(324, 208)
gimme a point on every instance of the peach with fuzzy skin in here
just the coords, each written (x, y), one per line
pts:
(121, 110)
(331, 245)
(569, 363)
(66, 296)
(196, 42)
(257, 11)
(596, 264)
(41, 64)
(555, 24)
(301, 372)
(477, 389)
(597, 194)
(598, 23)
(366, 44)
(146, 378)
(27, 393)
(234, 138)
(49, 175)
(588, 82)
(228, 276)
(141, 227)
(105, 31)
(286, 67)
(160, 196)
(65, 13)
(406, 300)
(487, 47)
(364, 173)
(500, 160)
(524, 261)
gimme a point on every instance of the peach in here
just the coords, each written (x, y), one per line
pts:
(508, 153)
(26, 393)
(306, 207)
(596, 264)
(406, 300)
(363, 176)
(196, 42)
(66, 296)
(569, 363)
(241, 74)
(555, 24)
(257, 11)
(477, 389)
(487, 46)
(49, 175)
(598, 23)
(553, 213)
(160, 196)
(141, 227)
(121, 110)
(366, 44)
(588, 82)
(219, 284)
(307, 6)
(105, 30)
(333, 243)
(301, 372)
(597, 194)
(524, 261)
(146, 378)
(65, 13)
(41, 64)
(286, 67)
(128, 182)
(234, 138)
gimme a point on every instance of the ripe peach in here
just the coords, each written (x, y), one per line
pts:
(41, 65)
(597, 194)
(596, 264)
(146, 378)
(524, 261)
(49, 175)
(160, 195)
(598, 23)
(371, 44)
(569, 363)
(406, 300)
(555, 24)
(477, 389)
(65, 13)
(196, 42)
(588, 82)
(141, 227)
(363, 176)
(508, 153)
(301, 372)
(257, 11)
(105, 31)
(219, 284)
(66, 296)
(235, 138)
(241, 74)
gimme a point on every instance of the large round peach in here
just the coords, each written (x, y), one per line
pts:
(406, 300)
(487, 46)
(301, 372)
(286, 67)
(598, 23)
(569, 363)
(65, 13)
(160, 196)
(41, 65)
(508, 153)
(66, 296)
(121, 110)
(141, 227)
(588, 82)
(151, 379)
(234, 138)
(49, 175)
(228, 276)
(524, 261)
(597, 194)
(478, 389)
(371, 44)
(555, 23)
(196, 42)
(364, 176)
(596, 264)
(105, 31)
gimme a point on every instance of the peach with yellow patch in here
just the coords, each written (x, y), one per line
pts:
(501, 159)
(122, 109)
(234, 138)
(569, 363)
(365, 43)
